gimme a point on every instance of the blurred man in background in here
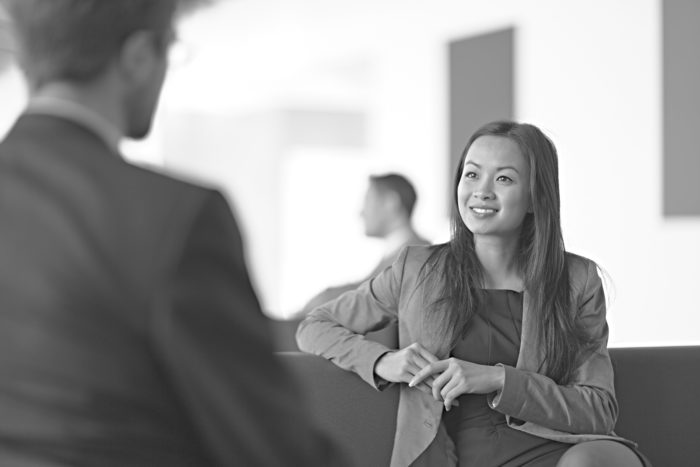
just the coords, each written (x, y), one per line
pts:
(130, 334)
(387, 211)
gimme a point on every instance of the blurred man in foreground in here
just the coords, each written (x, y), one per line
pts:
(130, 334)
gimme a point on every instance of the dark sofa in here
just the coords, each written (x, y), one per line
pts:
(658, 391)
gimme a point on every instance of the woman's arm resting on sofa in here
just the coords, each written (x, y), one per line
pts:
(336, 329)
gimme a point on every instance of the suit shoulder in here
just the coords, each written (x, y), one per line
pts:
(578, 263)
(157, 179)
(169, 205)
(581, 270)
(417, 253)
(170, 194)
(415, 257)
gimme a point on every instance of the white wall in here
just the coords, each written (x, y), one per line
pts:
(587, 72)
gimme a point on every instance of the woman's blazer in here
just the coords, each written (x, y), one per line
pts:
(584, 410)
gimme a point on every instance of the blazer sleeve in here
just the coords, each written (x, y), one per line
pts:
(326, 295)
(336, 329)
(585, 406)
(212, 339)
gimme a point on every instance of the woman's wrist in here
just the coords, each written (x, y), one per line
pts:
(499, 378)
(379, 365)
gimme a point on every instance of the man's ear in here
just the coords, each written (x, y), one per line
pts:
(392, 200)
(139, 56)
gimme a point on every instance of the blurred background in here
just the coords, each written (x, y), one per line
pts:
(289, 105)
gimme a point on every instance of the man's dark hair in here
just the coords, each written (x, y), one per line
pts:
(75, 40)
(398, 184)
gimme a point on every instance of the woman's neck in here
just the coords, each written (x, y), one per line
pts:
(497, 256)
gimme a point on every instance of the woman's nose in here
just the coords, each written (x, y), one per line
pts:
(483, 195)
(483, 191)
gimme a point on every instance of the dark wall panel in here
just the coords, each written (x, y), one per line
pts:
(481, 86)
(681, 107)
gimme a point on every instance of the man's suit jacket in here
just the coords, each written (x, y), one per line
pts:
(532, 402)
(130, 334)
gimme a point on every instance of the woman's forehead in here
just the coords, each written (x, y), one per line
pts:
(495, 151)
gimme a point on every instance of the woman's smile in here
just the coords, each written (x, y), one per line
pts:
(483, 212)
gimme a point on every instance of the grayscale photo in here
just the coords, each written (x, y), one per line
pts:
(323, 233)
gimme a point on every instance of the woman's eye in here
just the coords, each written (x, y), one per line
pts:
(469, 175)
(503, 178)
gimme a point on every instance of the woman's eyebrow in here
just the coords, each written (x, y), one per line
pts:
(497, 168)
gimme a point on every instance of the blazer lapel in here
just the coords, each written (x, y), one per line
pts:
(530, 357)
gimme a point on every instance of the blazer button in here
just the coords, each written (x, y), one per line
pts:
(428, 424)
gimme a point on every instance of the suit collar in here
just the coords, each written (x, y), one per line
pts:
(58, 135)
(78, 114)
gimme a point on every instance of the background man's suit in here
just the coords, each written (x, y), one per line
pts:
(129, 330)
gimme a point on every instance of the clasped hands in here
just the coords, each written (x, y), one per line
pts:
(445, 379)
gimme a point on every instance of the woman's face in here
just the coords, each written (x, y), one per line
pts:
(494, 191)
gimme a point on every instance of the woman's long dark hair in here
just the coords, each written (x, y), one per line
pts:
(541, 259)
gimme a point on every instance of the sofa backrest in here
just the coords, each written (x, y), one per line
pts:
(657, 390)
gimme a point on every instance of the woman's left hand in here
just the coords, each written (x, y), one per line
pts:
(456, 377)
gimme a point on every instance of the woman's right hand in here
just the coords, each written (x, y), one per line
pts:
(400, 366)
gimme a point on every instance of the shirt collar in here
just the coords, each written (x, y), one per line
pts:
(109, 133)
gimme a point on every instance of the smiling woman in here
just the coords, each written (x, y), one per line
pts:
(501, 324)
